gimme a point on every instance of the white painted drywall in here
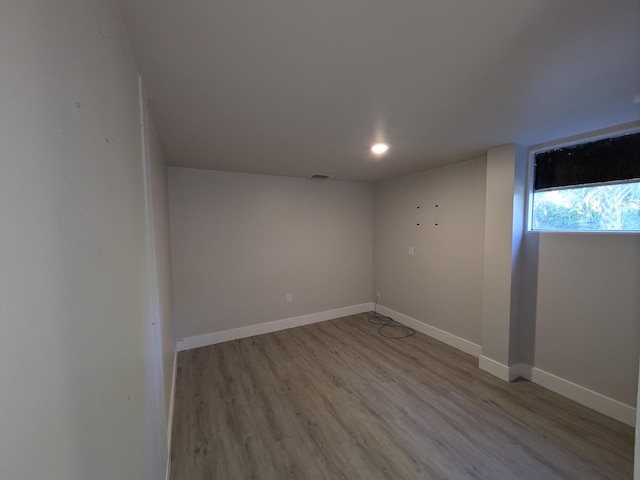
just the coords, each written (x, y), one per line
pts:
(76, 353)
(586, 309)
(503, 229)
(157, 191)
(580, 308)
(291, 87)
(441, 283)
(241, 242)
(161, 249)
(636, 463)
(160, 189)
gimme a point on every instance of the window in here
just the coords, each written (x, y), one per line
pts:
(593, 186)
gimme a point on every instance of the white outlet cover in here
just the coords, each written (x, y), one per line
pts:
(410, 250)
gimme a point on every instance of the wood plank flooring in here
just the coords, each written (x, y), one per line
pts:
(334, 400)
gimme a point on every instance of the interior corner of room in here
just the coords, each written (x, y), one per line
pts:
(121, 247)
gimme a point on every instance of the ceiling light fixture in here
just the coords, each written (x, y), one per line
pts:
(380, 148)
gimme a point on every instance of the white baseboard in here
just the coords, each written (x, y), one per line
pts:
(445, 337)
(520, 370)
(503, 372)
(172, 402)
(573, 391)
(496, 369)
(594, 400)
(268, 327)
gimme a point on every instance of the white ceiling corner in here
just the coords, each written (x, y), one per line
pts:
(296, 87)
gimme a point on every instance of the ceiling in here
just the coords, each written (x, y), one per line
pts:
(300, 87)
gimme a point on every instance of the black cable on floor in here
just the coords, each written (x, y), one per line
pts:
(388, 322)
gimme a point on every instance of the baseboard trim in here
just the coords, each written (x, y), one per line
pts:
(496, 369)
(594, 400)
(445, 337)
(503, 372)
(172, 402)
(520, 370)
(268, 327)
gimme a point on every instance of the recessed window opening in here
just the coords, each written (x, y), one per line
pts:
(590, 186)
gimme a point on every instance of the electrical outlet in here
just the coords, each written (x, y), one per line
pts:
(410, 250)
(289, 298)
(378, 297)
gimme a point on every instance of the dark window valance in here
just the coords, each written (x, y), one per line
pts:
(608, 160)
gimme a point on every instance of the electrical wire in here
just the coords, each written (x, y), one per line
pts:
(388, 322)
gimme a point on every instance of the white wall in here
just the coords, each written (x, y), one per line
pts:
(76, 352)
(241, 242)
(636, 460)
(579, 306)
(160, 271)
(584, 324)
(503, 230)
(163, 262)
(441, 284)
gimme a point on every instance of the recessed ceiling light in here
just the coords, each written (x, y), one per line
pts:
(380, 148)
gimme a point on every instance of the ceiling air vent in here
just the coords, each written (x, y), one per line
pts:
(320, 176)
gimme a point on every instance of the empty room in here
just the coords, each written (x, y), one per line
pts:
(319, 240)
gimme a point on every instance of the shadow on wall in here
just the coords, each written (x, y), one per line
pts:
(528, 298)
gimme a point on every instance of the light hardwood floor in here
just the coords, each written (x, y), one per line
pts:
(334, 400)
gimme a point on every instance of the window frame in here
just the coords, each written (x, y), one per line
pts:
(568, 141)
